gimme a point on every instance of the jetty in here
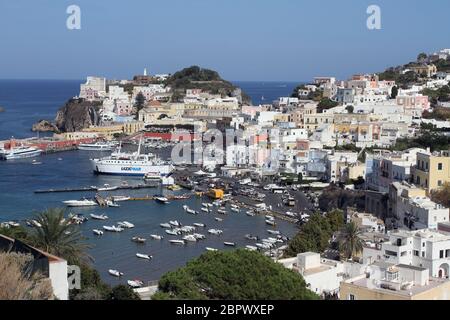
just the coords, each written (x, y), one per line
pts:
(91, 189)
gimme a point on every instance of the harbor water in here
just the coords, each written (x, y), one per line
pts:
(20, 179)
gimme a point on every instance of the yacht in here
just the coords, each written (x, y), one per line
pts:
(131, 164)
(115, 273)
(125, 224)
(19, 153)
(143, 256)
(80, 203)
(165, 225)
(99, 146)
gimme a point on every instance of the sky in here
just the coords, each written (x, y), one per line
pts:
(246, 40)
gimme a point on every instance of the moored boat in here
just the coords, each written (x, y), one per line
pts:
(177, 241)
(156, 237)
(97, 232)
(115, 273)
(143, 256)
(99, 216)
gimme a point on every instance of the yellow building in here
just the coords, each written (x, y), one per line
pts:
(106, 132)
(432, 170)
(313, 121)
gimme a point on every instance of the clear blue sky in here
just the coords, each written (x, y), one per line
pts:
(242, 39)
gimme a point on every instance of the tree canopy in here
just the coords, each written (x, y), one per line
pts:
(233, 275)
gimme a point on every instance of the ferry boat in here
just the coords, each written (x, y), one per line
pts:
(131, 164)
(95, 146)
(19, 153)
(80, 203)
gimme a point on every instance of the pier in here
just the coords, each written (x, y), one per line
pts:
(90, 189)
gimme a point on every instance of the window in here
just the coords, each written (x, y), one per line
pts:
(440, 166)
(423, 254)
(441, 254)
(439, 183)
(351, 297)
(416, 253)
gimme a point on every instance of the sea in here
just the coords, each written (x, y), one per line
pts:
(27, 101)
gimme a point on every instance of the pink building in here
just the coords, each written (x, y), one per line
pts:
(413, 102)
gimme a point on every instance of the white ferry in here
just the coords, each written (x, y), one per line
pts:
(131, 164)
(19, 153)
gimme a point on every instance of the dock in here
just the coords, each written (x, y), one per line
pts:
(90, 189)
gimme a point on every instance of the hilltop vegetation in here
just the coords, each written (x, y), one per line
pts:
(233, 275)
(208, 80)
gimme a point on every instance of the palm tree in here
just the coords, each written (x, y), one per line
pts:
(57, 236)
(350, 242)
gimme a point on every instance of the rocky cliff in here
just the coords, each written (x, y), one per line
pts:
(77, 114)
(44, 126)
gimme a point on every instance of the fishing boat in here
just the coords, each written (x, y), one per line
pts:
(211, 249)
(112, 228)
(135, 283)
(165, 225)
(97, 232)
(115, 273)
(156, 237)
(99, 217)
(200, 225)
(125, 224)
(138, 239)
(177, 242)
(230, 244)
(143, 256)
(80, 203)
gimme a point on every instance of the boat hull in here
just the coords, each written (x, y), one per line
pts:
(129, 169)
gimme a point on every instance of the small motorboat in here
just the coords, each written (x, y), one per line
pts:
(187, 229)
(115, 273)
(251, 237)
(271, 222)
(143, 256)
(34, 223)
(165, 225)
(251, 248)
(177, 242)
(235, 209)
(112, 204)
(112, 228)
(156, 237)
(161, 199)
(99, 217)
(107, 187)
(274, 232)
(185, 207)
(200, 225)
(135, 283)
(205, 210)
(191, 211)
(218, 219)
(230, 244)
(269, 217)
(205, 205)
(221, 211)
(174, 223)
(138, 239)
(173, 232)
(211, 249)
(125, 224)
(97, 232)
(199, 236)
(250, 213)
(190, 238)
(215, 231)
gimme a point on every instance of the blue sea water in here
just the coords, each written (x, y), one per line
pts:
(27, 101)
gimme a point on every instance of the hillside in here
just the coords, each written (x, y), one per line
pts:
(208, 80)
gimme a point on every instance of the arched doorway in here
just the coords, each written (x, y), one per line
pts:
(443, 271)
